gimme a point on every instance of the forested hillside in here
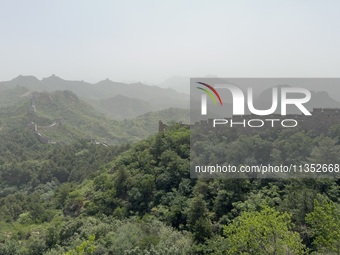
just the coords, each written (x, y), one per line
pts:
(138, 199)
(74, 118)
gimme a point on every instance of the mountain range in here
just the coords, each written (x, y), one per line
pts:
(117, 100)
(121, 101)
(61, 116)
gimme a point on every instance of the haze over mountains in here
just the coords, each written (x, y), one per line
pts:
(126, 101)
(178, 83)
(118, 100)
(60, 116)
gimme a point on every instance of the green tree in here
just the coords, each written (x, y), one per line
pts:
(198, 219)
(325, 223)
(265, 232)
(10, 247)
(86, 248)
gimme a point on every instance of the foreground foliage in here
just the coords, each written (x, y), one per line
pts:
(139, 199)
(263, 232)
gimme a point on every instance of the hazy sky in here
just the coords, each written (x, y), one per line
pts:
(151, 41)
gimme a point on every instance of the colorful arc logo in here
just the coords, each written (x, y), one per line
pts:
(204, 97)
(209, 92)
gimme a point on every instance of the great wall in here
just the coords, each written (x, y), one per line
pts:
(319, 122)
(38, 130)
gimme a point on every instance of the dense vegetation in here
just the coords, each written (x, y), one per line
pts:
(83, 198)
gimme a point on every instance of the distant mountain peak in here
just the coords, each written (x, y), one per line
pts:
(22, 78)
(53, 77)
(106, 81)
